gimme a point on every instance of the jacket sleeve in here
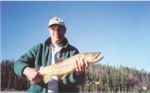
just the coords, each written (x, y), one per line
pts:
(26, 60)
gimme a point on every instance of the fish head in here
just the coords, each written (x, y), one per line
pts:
(93, 57)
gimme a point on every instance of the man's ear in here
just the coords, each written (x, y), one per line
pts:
(49, 29)
(65, 32)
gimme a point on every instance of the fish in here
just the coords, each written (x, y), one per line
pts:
(67, 66)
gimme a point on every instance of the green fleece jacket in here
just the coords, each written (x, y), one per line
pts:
(40, 55)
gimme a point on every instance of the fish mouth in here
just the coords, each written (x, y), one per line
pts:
(97, 58)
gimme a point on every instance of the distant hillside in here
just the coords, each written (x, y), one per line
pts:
(99, 78)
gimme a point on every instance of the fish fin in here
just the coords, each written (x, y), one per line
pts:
(63, 76)
(46, 78)
(41, 67)
(61, 59)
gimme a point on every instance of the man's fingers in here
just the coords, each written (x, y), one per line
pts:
(81, 63)
(86, 63)
(76, 66)
(35, 79)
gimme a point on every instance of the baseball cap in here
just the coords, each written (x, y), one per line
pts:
(57, 21)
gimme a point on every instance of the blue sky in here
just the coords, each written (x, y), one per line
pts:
(120, 30)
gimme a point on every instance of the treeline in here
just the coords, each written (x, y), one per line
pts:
(104, 78)
(99, 78)
(9, 80)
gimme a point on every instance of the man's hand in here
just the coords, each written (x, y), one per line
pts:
(81, 65)
(32, 74)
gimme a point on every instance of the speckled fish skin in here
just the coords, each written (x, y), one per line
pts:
(67, 66)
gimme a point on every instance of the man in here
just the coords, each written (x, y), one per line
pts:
(47, 53)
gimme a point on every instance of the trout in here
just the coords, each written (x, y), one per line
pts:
(67, 66)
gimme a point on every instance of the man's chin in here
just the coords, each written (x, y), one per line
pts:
(58, 39)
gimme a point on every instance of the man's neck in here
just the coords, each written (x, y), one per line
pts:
(56, 44)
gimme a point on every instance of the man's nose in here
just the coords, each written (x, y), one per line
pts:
(57, 31)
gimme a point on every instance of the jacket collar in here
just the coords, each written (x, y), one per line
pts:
(64, 42)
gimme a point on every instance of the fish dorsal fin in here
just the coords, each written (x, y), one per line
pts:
(61, 59)
(63, 76)
(41, 67)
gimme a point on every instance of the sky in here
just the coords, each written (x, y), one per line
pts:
(119, 30)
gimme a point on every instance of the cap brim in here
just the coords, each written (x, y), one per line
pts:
(56, 24)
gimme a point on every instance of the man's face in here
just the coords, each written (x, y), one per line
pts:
(57, 33)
